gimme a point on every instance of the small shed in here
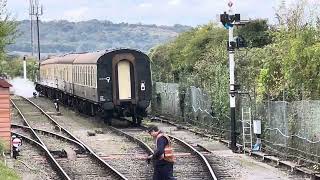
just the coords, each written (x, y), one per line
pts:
(5, 123)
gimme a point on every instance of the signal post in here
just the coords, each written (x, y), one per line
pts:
(228, 21)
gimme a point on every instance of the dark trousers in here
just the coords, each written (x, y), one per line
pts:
(163, 172)
(15, 152)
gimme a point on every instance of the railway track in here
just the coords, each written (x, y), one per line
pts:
(190, 164)
(58, 142)
(225, 165)
(135, 163)
(124, 153)
(29, 164)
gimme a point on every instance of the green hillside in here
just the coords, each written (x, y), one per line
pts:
(64, 36)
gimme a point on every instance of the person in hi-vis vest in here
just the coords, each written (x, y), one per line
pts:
(16, 143)
(163, 156)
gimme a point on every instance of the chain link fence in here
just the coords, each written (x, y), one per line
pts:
(191, 105)
(289, 129)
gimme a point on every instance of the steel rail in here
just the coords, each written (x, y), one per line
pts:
(138, 141)
(49, 156)
(52, 134)
(199, 154)
(91, 152)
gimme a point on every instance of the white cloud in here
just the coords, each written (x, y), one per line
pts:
(76, 14)
(165, 12)
(174, 2)
(145, 5)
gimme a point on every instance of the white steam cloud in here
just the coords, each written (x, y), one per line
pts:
(22, 87)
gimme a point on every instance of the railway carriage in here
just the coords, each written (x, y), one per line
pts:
(108, 83)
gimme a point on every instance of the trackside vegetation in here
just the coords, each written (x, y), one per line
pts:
(280, 60)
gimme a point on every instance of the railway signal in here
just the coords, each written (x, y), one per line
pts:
(228, 21)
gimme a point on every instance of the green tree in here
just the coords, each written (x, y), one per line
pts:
(7, 27)
(256, 33)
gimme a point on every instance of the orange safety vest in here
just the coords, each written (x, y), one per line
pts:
(168, 150)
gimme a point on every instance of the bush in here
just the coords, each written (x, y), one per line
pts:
(1, 147)
(7, 173)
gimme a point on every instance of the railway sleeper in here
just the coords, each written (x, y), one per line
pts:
(67, 153)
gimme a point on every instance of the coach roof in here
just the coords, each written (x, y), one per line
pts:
(84, 58)
(88, 58)
(65, 59)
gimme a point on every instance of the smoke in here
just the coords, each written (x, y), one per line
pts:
(22, 87)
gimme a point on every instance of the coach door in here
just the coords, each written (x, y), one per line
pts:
(124, 80)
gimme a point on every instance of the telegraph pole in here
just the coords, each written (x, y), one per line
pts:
(39, 12)
(31, 13)
(229, 20)
(24, 68)
(35, 10)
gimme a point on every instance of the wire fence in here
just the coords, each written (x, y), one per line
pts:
(290, 129)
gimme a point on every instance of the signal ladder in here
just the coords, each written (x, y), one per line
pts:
(246, 128)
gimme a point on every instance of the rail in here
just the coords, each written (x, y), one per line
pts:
(91, 152)
(49, 156)
(199, 154)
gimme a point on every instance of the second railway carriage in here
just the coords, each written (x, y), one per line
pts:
(116, 82)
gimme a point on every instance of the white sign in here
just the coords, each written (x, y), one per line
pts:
(106, 78)
(257, 126)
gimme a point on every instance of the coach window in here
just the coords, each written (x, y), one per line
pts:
(75, 74)
(63, 74)
(94, 77)
(89, 75)
(77, 69)
(82, 75)
(85, 75)
(78, 74)
(87, 79)
(91, 79)
(72, 73)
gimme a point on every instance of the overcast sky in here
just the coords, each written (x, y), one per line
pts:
(160, 12)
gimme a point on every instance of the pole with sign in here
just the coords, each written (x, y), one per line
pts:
(228, 21)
